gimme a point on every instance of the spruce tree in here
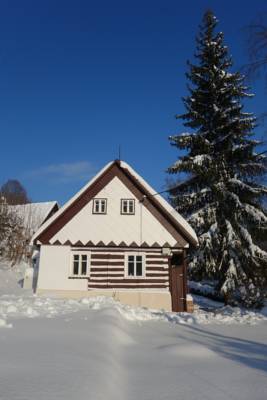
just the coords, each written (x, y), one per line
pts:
(222, 196)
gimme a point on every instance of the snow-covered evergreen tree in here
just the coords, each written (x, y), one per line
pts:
(222, 197)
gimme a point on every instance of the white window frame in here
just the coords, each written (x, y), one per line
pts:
(128, 206)
(126, 258)
(100, 206)
(80, 254)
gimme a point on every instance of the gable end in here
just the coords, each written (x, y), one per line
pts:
(138, 190)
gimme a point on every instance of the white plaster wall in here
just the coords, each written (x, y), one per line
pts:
(54, 270)
(141, 227)
(156, 300)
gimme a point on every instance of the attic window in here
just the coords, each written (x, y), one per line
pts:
(99, 206)
(127, 206)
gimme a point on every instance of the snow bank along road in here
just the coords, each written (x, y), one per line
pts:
(107, 351)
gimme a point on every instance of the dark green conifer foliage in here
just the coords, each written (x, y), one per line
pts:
(222, 197)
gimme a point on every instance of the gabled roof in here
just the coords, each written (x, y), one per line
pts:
(33, 215)
(156, 204)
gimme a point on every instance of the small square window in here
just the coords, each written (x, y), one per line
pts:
(128, 206)
(99, 206)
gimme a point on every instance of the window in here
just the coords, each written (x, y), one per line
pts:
(135, 265)
(80, 264)
(127, 206)
(99, 206)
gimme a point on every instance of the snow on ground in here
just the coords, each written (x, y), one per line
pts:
(29, 306)
(98, 354)
(201, 287)
(16, 303)
(96, 348)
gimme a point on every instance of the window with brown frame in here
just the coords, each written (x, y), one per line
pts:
(128, 206)
(99, 206)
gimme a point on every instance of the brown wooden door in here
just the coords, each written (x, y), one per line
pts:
(177, 287)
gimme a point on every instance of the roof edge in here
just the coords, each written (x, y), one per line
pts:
(69, 202)
(185, 227)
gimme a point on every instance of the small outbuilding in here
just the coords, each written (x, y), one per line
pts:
(116, 237)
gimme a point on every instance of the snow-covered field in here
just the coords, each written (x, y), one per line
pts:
(99, 349)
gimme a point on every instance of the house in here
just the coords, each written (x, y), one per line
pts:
(30, 217)
(33, 215)
(116, 237)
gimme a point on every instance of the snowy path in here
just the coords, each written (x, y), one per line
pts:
(98, 354)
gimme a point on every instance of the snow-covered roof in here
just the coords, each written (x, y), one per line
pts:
(33, 215)
(181, 222)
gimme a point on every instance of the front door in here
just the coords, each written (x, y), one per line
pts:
(177, 283)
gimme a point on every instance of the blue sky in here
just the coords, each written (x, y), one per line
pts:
(79, 78)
